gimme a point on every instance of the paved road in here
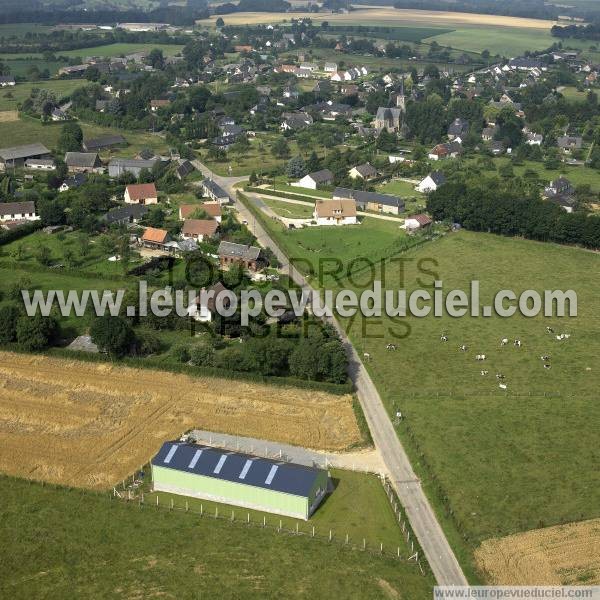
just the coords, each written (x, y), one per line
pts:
(424, 523)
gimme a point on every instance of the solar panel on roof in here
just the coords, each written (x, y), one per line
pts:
(245, 469)
(271, 474)
(195, 459)
(169, 456)
(220, 464)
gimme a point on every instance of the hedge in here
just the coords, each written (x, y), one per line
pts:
(11, 235)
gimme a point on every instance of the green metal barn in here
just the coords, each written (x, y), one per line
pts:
(240, 479)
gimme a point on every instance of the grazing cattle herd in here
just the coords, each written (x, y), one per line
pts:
(504, 342)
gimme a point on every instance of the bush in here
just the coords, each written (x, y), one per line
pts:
(36, 333)
(9, 314)
(202, 354)
(148, 343)
(181, 353)
(113, 335)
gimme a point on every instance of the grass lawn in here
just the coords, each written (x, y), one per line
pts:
(19, 63)
(572, 93)
(358, 507)
(28, 130)
(320, 249)
(496, 455)
(131, 552)
(400, 188)
(287, 209)
(21, 91)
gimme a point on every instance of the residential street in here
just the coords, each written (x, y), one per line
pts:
(420, 513)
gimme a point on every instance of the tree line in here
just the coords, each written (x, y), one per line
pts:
(492, 206)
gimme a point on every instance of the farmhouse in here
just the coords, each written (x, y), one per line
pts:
(232, 254)
(83, 162)
(432, 182)
(16, 157)
(335, 212)
(17, 211)
(199, 229)
(40, 164)
(141, 193)
(313, 180)
(215, 192)
(101, 143)
(568, 143)
(449, 150)
(373, 201)
(239, 479)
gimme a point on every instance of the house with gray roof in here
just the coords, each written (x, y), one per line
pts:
(83, 162)
(119, 166)
(373, 201)
(239, 254)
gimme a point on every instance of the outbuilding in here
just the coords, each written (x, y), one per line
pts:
(239, 479)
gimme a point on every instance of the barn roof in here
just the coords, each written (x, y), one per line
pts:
(26, 151)
(235, 467)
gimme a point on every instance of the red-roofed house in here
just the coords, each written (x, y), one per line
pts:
(199, 229)
(141, 193)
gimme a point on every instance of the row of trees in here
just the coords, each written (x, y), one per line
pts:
(509, 208)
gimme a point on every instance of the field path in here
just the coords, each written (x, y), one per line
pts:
(424, 523)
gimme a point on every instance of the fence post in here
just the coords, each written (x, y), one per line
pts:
(313, 531)
(201, 509)
(232, 516)
(156, 501)
(171, 503)
(398, 551)
(346, 538)
(364, 544)
(264, 521)
(330, 535)
(280, 525)
(186, 506)
(248, 518)
(216, 512)
(381, 547)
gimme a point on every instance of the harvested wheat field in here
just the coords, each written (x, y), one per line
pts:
(90, 425)
(560, 555)
(8, 116)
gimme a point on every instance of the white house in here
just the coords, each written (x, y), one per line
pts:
(40, 164)
(431, 183)
(313, 180)
(203, 307)
(330, 67)
(335, 212)
(17, 211)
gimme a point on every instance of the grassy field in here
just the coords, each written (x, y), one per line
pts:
(504, 40)
(317, 249)
(28, 131)
(358, 507)
(495, 454)
(21, 91)
(492, 454)
(109, 50)
(141, 553)
(289, 210)
(578, 175)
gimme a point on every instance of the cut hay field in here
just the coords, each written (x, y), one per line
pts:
(387, 17)
(90, 425)
(9, 116)
(561, 555)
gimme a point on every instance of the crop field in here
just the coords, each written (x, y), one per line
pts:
(126, 552)
(561, 555)
(90, 425)
(387, 17)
